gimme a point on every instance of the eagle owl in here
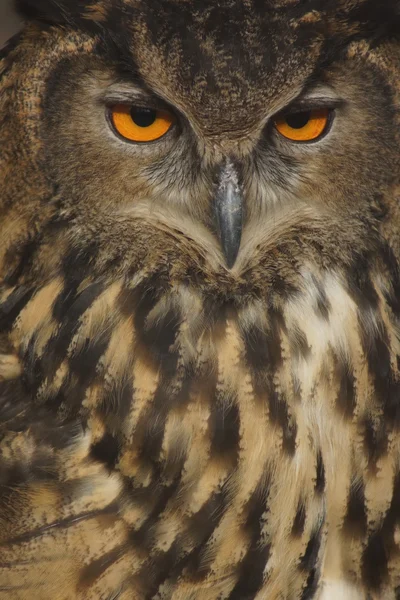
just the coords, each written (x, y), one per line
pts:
(200, 301)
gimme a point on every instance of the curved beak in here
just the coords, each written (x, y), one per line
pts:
(228, 210)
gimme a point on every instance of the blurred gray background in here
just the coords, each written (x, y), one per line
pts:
(9, 22)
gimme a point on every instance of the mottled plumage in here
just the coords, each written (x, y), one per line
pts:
(171, 428)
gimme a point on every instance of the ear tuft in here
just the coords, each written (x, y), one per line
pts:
(50, 11)
(370, 14)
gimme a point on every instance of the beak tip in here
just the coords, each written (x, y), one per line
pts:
(230, 257)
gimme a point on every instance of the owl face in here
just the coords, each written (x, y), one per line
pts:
(223, 132)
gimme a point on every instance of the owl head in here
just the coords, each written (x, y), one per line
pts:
(230, 144)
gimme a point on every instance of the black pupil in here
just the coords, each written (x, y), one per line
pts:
(143, 117)
(298, 120)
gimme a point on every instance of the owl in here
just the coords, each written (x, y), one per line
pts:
(200, 301)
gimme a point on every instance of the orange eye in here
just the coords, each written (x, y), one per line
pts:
(140, 124)
(304, 126)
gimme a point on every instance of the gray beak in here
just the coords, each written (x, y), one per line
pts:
(228, 209)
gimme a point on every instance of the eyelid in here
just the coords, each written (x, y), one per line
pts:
(315, 103)
(137, 102)
(138, 98)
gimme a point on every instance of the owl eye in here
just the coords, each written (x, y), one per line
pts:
(304, 126)
(140, 124)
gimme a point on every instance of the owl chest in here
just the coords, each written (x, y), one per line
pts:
(226, 446)
(227, 404)
(226, 460)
